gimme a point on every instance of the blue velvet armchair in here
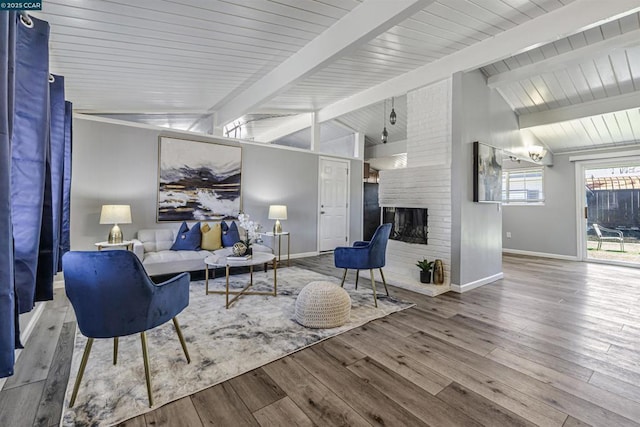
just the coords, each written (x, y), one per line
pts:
(365, 256)
(112, 296)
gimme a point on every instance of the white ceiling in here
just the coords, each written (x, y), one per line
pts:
(340, 59)
(556, 81)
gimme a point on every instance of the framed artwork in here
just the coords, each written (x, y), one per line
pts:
(487, 173)
(198, 180)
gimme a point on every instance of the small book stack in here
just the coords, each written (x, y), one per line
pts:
(238, 258)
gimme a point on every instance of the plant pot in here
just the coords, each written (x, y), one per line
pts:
(425, 276)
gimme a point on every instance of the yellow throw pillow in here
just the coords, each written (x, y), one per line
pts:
(211, 237)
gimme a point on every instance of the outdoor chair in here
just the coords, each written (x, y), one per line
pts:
(365, 256)
(619, 237)
(113, 296)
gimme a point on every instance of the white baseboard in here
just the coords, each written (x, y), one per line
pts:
(301, 255)
(539, 254)
(476, 284)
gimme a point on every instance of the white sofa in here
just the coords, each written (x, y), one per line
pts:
(153, 248)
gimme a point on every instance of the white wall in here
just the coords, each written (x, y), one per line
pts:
(425, 183)
(118, 164)
(443, 121)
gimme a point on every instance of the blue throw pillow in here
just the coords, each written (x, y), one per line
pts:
(187, 240)
(230, 234)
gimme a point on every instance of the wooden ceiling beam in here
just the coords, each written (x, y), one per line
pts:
(362, 24)
(570, 19)
(566, 59)
(597, 107)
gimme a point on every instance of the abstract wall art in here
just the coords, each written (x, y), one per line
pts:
(198, 180)
(487, 173)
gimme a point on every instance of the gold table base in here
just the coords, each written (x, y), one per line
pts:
(244, 290)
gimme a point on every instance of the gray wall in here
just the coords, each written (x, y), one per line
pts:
(551, 228)
(478, 114)
(118, 164)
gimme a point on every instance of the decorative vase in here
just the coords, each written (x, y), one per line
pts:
(425, 276)
(438, 272)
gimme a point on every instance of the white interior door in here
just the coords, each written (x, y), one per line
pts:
(333, 203)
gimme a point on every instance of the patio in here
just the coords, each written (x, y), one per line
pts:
(611, 251)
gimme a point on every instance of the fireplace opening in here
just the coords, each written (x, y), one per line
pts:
(409, 224)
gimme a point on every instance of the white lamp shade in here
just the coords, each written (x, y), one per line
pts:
(115, 214)
(277, 212)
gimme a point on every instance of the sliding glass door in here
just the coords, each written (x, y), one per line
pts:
(611, 217)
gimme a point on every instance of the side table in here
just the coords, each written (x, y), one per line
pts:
(279, 236)
(127, 244)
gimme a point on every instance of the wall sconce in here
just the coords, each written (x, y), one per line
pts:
(537, 153)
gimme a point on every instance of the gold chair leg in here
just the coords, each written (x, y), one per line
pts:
(384, 282)
(373, 285)
(115, 350)
(83, 364)
(147, 373)
(357, 277)
(344, 276)
(182, 342)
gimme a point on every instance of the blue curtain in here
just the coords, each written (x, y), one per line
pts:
(56, 99)
(7, 300)
(30, 146)
(35, 175)
(65, 214)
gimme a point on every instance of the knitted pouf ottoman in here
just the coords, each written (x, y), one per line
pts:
(323, 305)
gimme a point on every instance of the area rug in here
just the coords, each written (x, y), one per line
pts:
(222, 343)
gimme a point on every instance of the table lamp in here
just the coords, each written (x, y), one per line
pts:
(277, 212)
(115, 214)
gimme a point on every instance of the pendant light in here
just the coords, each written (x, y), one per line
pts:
(385, 134)
(392, 116)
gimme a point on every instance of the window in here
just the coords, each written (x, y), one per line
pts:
(523, 186)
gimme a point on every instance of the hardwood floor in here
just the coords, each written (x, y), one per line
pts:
(555, 343)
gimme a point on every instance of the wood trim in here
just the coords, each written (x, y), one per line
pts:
(539, 254)
(476, 283)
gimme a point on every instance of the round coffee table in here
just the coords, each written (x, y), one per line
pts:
(229, 262)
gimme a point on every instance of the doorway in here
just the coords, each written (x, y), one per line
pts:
(333, 230)
(611, 214)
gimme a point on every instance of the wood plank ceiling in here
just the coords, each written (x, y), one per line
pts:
(190, 58)
(596, 75)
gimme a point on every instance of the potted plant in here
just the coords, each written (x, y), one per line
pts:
(425, 270)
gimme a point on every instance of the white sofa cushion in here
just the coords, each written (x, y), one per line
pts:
(167, 262)
(157, 240)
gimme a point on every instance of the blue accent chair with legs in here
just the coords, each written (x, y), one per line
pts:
(113, 296)
(365, 256)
